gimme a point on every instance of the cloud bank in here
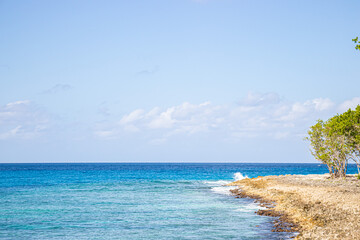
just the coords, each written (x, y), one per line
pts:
(257, 115)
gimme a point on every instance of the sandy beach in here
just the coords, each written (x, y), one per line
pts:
(315, 206)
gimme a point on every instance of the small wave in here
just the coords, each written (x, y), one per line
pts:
(220, 182)
(222, 190)
(220, 185)
(251, 207)
(239, 176)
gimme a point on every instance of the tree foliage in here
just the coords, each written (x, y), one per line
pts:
(356, 41)
(337, 141)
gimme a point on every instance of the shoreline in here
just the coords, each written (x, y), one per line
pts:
(282, 223)
(314, 206)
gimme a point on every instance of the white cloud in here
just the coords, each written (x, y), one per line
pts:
(164, 120)
(352, 103)
(21, 119)
(132, 117)
(185, 117)
(258, 115)
(17, 103)
(304, 110)
(322, 104)
(11, 133)
(297, 111)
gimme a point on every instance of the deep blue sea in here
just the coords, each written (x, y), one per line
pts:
(134, 201)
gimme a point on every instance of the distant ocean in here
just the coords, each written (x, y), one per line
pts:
(134, 201)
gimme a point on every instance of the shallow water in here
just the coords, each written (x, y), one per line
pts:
(133, 201)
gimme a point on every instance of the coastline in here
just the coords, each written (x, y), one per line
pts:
(315, 206)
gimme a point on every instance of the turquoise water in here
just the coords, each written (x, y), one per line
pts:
(133, 201)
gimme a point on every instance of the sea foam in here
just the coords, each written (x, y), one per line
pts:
(251, 207)
(217, 183)
(219, 186)
(239, 176)
(222, 190)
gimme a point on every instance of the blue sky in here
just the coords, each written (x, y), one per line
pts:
(172, 81)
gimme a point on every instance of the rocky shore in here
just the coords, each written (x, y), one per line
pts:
(315, 206)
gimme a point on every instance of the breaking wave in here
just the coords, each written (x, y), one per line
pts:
(220, 187)
(239, 176)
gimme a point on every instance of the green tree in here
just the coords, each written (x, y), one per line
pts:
(318, 143)
(337, 141)
(356, 139)
(356, 41)
(347, 125)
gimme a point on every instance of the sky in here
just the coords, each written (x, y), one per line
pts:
(172, 81)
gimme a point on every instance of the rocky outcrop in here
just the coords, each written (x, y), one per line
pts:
(316, 206)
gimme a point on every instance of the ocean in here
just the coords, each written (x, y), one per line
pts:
(134, 200)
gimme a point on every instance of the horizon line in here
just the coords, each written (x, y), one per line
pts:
(160, 162)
